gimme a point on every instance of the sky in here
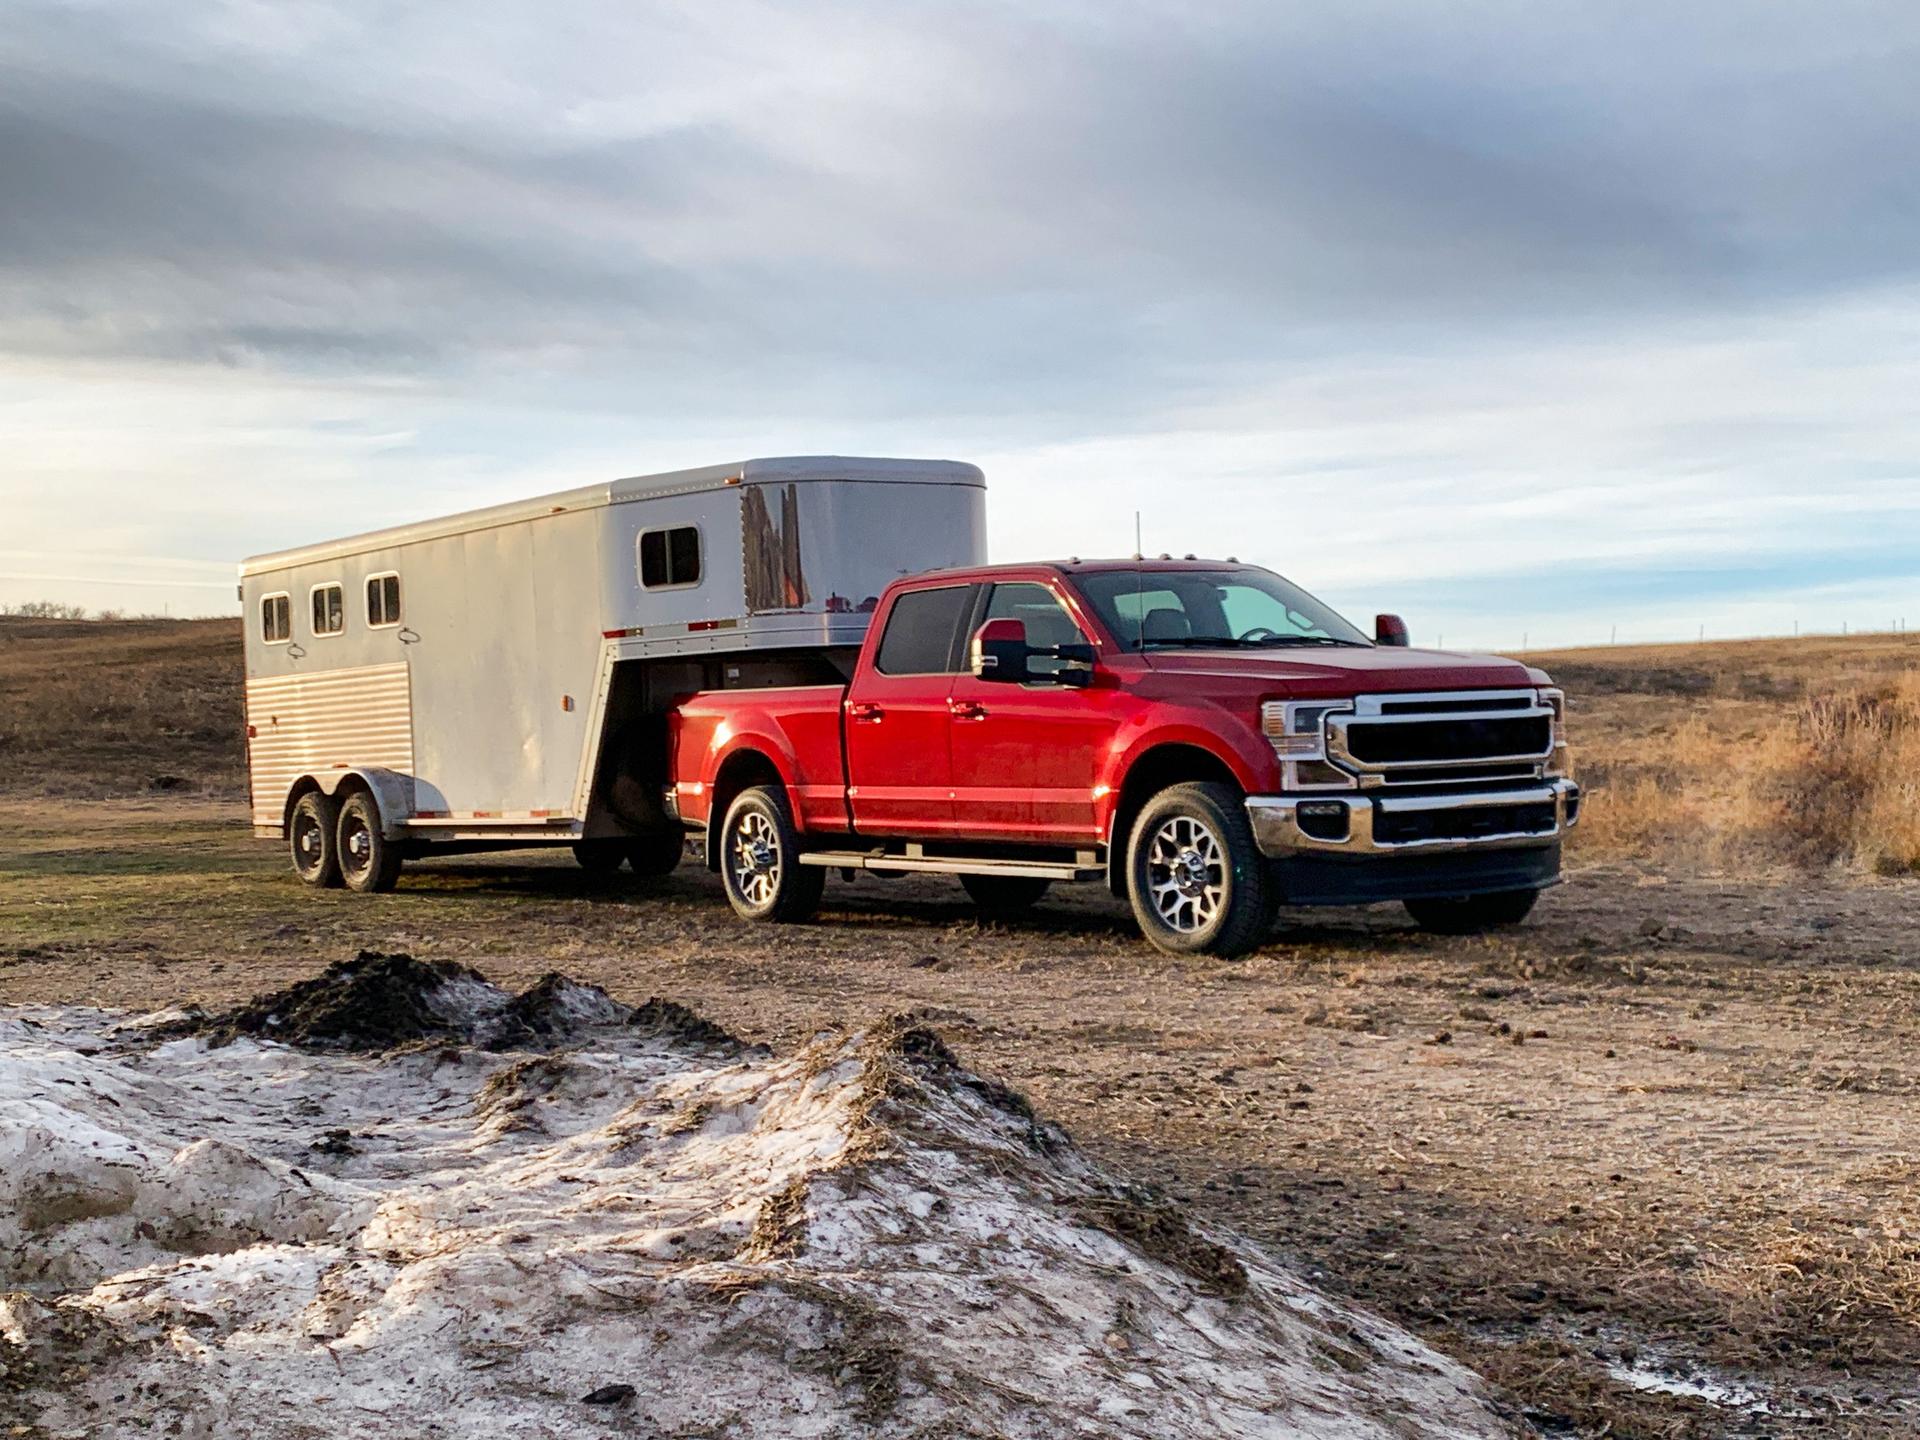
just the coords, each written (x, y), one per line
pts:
(1538, 324)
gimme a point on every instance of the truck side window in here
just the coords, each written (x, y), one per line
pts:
(383, 601)
(276, 618)
(1046, 619)
(329, 610)
(670, 557)
(922, 632)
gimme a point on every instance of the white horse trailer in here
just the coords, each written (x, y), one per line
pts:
(501, 678)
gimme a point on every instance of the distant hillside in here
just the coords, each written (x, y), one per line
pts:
(117, 707)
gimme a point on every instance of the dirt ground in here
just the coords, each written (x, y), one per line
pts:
(1649, 1162)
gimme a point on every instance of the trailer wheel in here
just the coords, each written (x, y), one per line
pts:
(997, 896)
(759, 860)
(311, 839)
(1471, 914)
(369, 862)
(657, 853)
(1198, 883)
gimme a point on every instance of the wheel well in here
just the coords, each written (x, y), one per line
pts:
(1153, 772)
(740, 771)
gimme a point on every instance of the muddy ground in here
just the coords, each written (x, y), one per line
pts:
(1651, 1162)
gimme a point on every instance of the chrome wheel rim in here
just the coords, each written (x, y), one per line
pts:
(1186, 874)
(754, 859)
(356, 846)
(309, 843)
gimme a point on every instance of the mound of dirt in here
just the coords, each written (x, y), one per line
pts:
(377, 1002)
(646, 1229)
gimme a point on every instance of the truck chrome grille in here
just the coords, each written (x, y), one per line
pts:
(1442, 738)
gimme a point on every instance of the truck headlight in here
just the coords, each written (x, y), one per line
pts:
(1297, 730)
(1560, 762)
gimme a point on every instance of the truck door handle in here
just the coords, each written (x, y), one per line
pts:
(969, 710)
(866, 713)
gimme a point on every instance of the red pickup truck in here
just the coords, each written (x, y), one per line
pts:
(1203, 737)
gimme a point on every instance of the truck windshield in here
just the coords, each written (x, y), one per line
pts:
(1196, 609)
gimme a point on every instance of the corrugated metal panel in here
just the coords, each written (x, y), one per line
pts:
(331, 720)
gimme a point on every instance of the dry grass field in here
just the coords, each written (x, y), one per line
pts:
(1749, 756)
(1648, 1162)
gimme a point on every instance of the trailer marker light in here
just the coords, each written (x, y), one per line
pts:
(566, 703)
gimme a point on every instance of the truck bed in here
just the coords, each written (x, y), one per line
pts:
(798, 727)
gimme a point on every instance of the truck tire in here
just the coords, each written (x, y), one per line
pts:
(996, 896)
(1198, 882)
(1472, 914)
(369, 862)
(759, 860)
(312, 839)
(657, 853)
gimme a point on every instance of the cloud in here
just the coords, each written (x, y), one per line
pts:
(1430, 289)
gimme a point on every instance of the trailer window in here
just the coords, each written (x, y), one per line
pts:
(276, 618)
(670, 557)
(923, 631)
(329, 609)
(383, 601)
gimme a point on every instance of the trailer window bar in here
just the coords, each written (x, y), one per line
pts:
(669, 557)
(276, 618)
(329, 609)
(383, 600)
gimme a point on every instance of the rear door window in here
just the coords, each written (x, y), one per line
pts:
(923, 632)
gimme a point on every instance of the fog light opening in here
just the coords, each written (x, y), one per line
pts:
(1323, 819)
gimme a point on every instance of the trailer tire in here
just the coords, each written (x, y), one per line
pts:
(312, 840)
(656, 853)
(600, 858)
(1472, 914)
(1002, 896)
(1198, 882)
(759, 860)
(369, 862)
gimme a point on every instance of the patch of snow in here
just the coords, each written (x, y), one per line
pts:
(858, 1239)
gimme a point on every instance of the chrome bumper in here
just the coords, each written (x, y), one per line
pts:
(1277, 821)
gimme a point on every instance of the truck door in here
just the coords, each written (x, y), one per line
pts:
(899, 767)
(1024, 756)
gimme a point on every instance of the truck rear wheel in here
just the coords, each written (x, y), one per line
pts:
(369, 862)
(1001, 895)
(311, 837)
(759, 860)
(1471, 914)
(1197, 880)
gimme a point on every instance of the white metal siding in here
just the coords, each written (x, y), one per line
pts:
(331, 720)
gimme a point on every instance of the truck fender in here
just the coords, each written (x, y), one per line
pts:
(392, 793)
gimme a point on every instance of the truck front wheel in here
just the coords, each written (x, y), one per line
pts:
(1471, 914)
(760, 860)
(1197, 880)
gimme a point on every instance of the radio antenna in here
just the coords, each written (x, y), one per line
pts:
(1139, 549)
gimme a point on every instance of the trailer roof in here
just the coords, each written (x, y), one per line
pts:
(776, 470)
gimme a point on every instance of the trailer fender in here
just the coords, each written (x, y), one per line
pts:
(392, 794)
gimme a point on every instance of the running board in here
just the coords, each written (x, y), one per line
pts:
(1084, 867)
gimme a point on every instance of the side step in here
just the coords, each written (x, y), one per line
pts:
(1083, 866)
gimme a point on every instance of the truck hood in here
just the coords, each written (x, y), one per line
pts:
(1343, 672)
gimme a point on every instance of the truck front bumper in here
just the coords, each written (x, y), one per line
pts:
(1361, 824)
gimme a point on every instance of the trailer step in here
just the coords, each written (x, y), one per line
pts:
(1082, 868)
